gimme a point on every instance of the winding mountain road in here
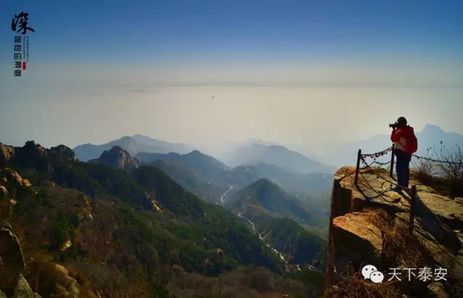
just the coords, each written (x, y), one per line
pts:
(253, 227)
(222, 197)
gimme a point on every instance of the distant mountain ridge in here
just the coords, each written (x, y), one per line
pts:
(271, 199)
(201, 174)
(132, 144)
(212, 180)
(275, 155)
(279, 217)
(434, 136)
(314, 184)
(431, 139)
(202, 163)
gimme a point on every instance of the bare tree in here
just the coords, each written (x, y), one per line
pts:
(452, 170)
(442, 170)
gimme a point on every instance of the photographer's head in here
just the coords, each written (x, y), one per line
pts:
(402, 122)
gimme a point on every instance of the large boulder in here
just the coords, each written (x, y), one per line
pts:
(6, 153)
(12, 176)
(23, 289)
(3, 192)
(66, 286)
(11, 256)
(56, 281)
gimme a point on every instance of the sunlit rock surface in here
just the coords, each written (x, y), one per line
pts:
(370, 222)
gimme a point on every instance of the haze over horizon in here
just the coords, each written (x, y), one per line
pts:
(207, 73)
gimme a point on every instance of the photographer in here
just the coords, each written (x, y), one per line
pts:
(405, 144)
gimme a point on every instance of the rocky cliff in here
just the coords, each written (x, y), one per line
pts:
(118, 158)
(369, 224)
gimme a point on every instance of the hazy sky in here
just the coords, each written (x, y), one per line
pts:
(212, 72)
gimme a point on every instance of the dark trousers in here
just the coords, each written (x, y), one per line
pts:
(402, 167)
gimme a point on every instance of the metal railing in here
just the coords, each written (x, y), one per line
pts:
(362, 160)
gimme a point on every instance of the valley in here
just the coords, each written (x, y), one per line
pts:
(160, 223)
(126, 218)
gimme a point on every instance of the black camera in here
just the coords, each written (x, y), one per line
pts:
(394, 125)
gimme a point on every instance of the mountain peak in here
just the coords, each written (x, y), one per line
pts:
(117, 149)
(251, 141)
(264, 182)
(118, 158)
(271, 200)
(277, 155)
(140, 136)
(195, 152)
(63, 152)
(143, 138)
(432, 128)
(126, 139)
(197, 159)
(133, 144)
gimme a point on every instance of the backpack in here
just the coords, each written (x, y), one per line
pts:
(412, 144)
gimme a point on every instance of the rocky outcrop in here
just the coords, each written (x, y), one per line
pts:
(63, 152)
(23, 289)
(370, 225)
(65, 285)
(34, 156)
(55, 280)
(13, 177)
(3, 192)
(6, 153)
(12, 266)
(118, 158)
(11, 256)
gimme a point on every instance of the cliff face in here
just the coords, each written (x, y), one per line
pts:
(370, 225)
(118, 158)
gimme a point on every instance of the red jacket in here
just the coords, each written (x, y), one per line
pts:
(404, 139)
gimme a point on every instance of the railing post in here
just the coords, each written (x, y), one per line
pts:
(357, 169)
(412, 209)
(391, 170)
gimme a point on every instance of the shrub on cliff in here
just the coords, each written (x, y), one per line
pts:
(445, 176)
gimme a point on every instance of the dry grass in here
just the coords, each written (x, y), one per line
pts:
(242, 282)
(352, 285)
(108, 281)
(447, 177)
(399, 249)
